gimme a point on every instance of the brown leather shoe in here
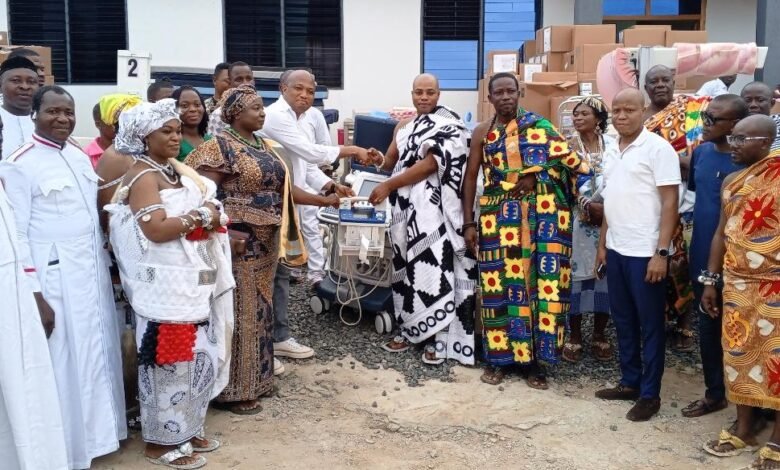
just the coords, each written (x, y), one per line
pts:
(620, 392)
(644, 409)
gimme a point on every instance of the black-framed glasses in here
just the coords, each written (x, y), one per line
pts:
(741, 139)
(710, 120)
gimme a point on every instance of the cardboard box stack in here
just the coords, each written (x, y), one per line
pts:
(43, 52)
(561, 62)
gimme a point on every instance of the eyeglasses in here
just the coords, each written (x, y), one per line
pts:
(741, 139)
(710, 120)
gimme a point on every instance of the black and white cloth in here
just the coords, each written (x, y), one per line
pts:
(434, 277)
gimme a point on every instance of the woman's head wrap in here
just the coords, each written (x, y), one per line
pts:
(138, 122)
(112, 105)
(236, 100)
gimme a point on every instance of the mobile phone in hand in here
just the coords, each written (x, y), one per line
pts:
(601, 271)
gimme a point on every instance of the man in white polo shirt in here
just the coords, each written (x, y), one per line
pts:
(640, 215)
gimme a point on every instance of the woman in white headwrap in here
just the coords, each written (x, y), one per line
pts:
(169, 238)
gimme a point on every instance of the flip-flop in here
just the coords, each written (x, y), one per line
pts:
(213, 444)
(766, 453)
(430, 350)
(184, 450)
(602, 350)
(725, 437)
(396, 340)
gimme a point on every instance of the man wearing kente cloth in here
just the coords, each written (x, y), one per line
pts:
(524, 233)
(745, 260)
(678, 121)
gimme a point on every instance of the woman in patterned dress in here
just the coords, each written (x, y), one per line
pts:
(255, 190)
(589, 291)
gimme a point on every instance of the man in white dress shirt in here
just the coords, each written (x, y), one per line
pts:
(292, 122)
(52, 187)
(717, 87)
(30, 417)
(18, 82)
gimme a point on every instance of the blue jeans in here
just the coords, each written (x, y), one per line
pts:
(637, 309)
(711, 350)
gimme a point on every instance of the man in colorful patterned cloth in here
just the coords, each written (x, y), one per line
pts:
(524, 234)
(744, 258)
(678, 121)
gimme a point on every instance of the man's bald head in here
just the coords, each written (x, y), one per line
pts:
(759, 98)
(298, 90)
(425, 79)
(758, 125)
(659, 70)
(752, 138)
(425, 93)
(628, 109)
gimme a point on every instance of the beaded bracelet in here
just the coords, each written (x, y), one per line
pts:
(708, 278)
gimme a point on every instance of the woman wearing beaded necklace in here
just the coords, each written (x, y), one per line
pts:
(256, 191)
(589, 289)
(170, 242)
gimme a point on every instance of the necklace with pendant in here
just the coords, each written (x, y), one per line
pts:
(166, 170)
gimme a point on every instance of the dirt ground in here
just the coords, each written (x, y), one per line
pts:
(335, 416)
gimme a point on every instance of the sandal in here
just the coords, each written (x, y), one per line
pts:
(493, 375)
(602, 350)
(572, 352)
(726, 438)
(685, 342)
(765, 455)
(703, 407)
(211, 444)
(537, 382)
(184, 450)
(398, 344)
(429, 356)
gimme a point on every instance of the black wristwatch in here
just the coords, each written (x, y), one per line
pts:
(662, 252)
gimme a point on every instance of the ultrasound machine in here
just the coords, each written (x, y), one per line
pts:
(359, 254)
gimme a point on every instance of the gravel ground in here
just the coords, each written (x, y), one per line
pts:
(333, 340)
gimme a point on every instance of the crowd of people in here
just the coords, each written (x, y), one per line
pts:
(148, 274)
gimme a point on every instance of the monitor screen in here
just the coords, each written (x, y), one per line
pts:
(367, 187)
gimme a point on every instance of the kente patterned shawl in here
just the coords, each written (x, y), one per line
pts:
(434, 276)
(751, 294)
(525, 242)
(679, 123)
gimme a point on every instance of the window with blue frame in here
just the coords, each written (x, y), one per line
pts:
(451, 37)
(652, 7)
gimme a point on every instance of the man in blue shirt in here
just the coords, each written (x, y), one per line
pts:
(710, 164)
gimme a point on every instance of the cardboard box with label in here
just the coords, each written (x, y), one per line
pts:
(525, 72)
(593, 34)
(587, 56)
(536, 96)
(556, 38)
(694, 37)
(555, 77)
(502, 61)
(553, 61)
(643, 37)
(588, 85)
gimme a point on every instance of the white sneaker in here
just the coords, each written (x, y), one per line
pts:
(293, 349)
(278, 367)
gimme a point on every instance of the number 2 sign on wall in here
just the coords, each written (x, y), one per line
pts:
(133, 72)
